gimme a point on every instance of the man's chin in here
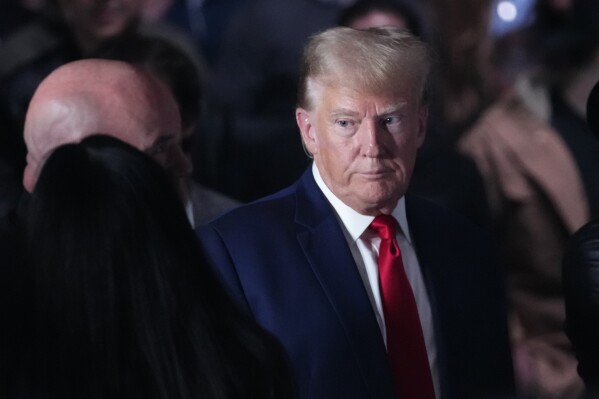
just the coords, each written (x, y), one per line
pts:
(375, 202)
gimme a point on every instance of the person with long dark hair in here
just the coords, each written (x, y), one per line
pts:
(118, 296)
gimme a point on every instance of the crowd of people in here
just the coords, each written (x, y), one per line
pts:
(298, 199)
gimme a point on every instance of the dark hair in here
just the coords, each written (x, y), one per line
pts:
(580, 278)
(124, 302)
(165, 59)
(593, 110)
(403, 9)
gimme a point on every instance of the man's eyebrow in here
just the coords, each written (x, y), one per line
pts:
(163, 139)
(160, 141)
(391, 109)
(343, 112)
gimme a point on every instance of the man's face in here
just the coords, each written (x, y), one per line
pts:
(154, 129)
(100, 19)
(365, 144)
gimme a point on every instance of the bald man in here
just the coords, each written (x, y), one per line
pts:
(115, 98)
(102, 96)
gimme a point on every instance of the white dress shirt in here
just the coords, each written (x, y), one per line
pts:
(364, 245)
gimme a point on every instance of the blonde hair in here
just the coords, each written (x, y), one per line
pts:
(374, 60)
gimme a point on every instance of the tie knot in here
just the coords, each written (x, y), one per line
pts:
(384, 226)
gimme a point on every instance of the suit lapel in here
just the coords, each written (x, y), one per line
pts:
(331, 260)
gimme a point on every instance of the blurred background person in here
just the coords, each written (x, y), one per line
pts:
(502, 105)
(364, 14)
(119, 301)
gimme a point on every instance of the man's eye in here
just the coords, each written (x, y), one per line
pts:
(158, 149)
(390, 120)
(343, 123)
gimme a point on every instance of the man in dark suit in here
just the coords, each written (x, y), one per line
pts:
(374, 295)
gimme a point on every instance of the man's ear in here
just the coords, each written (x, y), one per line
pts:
(304, 122)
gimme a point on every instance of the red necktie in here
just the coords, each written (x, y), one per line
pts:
(405, 343)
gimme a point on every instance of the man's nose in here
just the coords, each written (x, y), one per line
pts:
(371, 138)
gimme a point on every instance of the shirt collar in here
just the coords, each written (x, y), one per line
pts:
(355, 222)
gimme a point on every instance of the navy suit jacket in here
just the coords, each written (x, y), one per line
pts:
(285, 260)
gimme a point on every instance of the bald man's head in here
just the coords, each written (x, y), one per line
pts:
(102, 96)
